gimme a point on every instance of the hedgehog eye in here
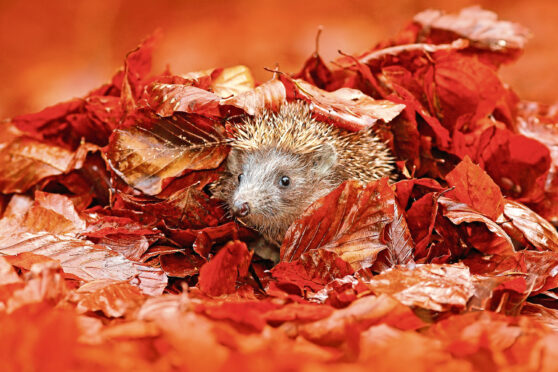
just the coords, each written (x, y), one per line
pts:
(285, 181)
(240, 176)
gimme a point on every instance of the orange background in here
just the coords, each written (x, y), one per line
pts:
(54, 50)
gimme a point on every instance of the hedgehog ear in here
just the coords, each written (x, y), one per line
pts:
(233, 160)
(325, 158)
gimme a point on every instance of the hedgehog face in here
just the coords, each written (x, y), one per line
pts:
(272, 188)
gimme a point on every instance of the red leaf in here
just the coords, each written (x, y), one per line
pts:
(475, 188)
(78, 257)
(219, 275)
(348, 108)
(421, 217)
(24, 162)
(249, 314)
(463, 86)
(181, 264)
(301, 313)
(293, 275)
(49, 124)
(480, 26)
(361, 314)
(432, 287)
(533, 227)
(113, 298)
(349, 222)
(153, 150)
(166, 99)
(540, 122)
(496, 240)
(267, 96)
(7, 273)
(519, 165)
(315, 71)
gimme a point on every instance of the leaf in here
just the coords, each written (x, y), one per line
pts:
(50, 124)
(113, 298)
(459, 213)
(315, 72)
(480, 26)
(301, 313)
(7, 273)
(232, 81)
(44, 282)
(433, 287)
(349, 108)
(181, 264)
(188, 207)
(519, 165)
(150, 152)
(219, 275)
(166, 99)
(136, 67)
(540, 123)
(400, 246)
(80, 258)
(292, 277)
(361, 314)
(248, 314)
(534, 228)
(463, 85)
(476, 189)
(267, 96)
(422, 217)
(25, 161)
(349, 222)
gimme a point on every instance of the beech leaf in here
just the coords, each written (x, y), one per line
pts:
(146, 154)
(433, 287)
(267, 96)
(348, 108)
(348, 222)
(219, 275)
(475, 188)
(480, 26)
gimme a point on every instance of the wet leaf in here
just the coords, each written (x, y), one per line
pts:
(348, 222)
(475, 188)
(232, 81)
(150, 152)
(166, 99)
(25, 162)
(267, 96)
(113, 298)
(432, 287)
(480, 26)
(361, 314)
(534, 228)
(349, 108)
(219, 275)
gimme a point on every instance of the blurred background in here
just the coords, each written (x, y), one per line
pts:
(51, 51)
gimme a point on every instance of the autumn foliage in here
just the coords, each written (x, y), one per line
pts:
(114, 255)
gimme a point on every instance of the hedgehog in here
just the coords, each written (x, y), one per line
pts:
(281, 162)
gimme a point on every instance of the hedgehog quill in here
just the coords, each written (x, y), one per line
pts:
(282, 162)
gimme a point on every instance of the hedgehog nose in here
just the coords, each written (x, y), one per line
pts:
(241, 209)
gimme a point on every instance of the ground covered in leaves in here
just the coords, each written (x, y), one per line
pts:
(114, 256)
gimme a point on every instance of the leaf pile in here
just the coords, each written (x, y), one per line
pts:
(114, 256)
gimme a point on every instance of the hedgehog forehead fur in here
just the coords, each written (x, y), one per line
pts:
(361, 155)
(292, 130)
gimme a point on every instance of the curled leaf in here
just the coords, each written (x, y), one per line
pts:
(150, 152)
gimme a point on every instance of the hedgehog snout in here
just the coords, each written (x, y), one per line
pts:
(240, 208)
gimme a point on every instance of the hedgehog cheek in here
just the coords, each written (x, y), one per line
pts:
(325, 159)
